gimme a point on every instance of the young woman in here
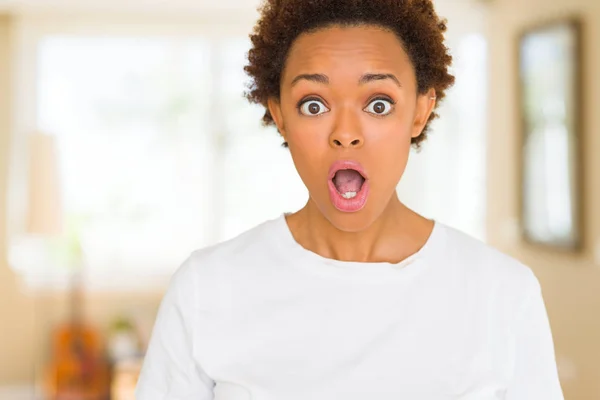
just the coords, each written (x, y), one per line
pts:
(355, 296)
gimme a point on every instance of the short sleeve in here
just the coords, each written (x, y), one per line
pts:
(169, 371)
(535, 374)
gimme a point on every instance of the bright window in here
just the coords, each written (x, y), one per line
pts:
(160, 154)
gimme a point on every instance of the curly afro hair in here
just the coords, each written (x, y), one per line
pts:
(415, 23)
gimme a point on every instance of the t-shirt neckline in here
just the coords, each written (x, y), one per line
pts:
(376, 271)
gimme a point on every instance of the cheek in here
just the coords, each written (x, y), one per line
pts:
(307, 137)
(389, 147)
(303, 133)
(308, 147)
(388, 134)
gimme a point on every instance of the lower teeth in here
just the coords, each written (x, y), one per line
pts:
(349, 195)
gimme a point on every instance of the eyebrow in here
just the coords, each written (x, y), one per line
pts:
(318, 78)
(366, 78)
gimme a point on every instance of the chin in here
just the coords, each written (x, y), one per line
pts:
(350, 222)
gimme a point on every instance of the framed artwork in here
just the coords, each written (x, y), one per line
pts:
(550, 111)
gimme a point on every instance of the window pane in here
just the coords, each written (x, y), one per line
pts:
(131, 117)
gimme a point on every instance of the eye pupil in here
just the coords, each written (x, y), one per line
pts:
(314, 108)
(379, 107)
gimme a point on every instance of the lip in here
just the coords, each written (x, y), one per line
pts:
(341, 203)
(347, 164)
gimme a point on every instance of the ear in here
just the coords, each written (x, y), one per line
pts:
(425, 105)
(275, 110)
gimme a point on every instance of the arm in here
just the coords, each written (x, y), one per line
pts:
(169, 371)
(535, 374)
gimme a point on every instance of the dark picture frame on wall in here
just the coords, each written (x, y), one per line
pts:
(551, 200)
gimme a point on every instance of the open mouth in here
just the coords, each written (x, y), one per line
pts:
(348, 185)
(348, 182)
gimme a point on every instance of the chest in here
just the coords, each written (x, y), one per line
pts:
(356, 343)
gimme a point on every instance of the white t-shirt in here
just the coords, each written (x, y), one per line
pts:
(261, 318)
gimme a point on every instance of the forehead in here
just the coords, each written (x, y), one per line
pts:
(347, 50)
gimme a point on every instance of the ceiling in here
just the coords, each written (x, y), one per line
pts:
(160, 6)
(463, 15)
(128, 6)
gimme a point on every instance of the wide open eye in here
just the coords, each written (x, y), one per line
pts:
(313, 108)
(380, 107)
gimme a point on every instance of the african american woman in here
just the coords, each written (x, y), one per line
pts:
(355, 296)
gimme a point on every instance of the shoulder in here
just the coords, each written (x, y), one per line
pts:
(220, 260)
(208, 276)
(487, 265)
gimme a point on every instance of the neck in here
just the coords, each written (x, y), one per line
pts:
(396, 234)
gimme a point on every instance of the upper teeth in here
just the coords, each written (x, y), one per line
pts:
(349, 195)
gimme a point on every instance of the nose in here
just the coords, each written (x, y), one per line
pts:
(347, 132)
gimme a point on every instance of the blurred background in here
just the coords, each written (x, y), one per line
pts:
(125, 144)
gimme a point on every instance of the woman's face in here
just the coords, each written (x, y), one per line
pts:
(348, 110)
